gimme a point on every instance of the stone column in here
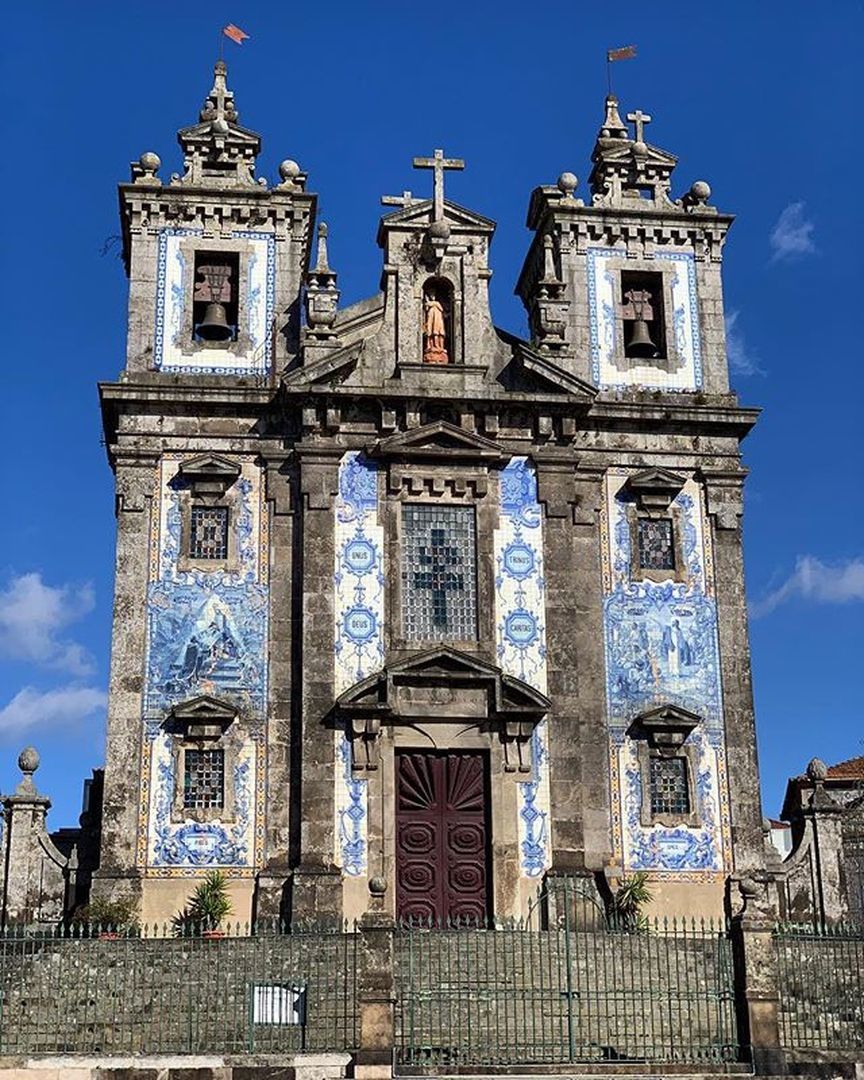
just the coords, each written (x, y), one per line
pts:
(375, 993)
(35, 881)
(118, 873)
(724, 494)
(578, 740)
(757, 994)
(271, 901)
(316, 881)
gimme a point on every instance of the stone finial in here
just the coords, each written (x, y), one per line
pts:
(817, 770)
(322, 295)
(292, 176)
(145, 168)
(218, 152)
(628, 171)
(322, 266)
(567, 184)
(613, 126)
(28, 763)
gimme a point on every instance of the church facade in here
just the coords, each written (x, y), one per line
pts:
(408, 609)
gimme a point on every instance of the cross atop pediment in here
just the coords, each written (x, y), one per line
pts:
(405, 199)
(438, 163)
(639, 119)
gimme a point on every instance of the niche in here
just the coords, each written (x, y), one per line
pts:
(437, 321)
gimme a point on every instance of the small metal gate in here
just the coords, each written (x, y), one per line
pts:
(582, 989)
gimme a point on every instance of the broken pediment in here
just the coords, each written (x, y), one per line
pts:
(540, 369)
(330, 370)
(438, 440)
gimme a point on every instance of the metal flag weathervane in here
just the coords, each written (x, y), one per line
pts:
(626, 52)
(233, 32)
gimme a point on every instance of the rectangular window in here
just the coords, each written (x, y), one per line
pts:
(204, 779)
(656, 540)
(208, 534)
(642, 315)
(215, 309)
(670, 793)
(439, 573)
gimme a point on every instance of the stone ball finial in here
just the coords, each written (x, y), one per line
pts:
(640, 150)
(567, 183)
(28, 760)
(817, 769)
(289, 170)
(377, 886)
(700, 191)
(439, 230)
(150, 162)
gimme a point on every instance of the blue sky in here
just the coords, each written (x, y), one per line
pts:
(758, 99)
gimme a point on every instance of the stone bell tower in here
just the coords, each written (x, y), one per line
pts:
(216, 260)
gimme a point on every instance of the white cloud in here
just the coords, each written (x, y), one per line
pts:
(814, 580)
(32, 616)
(64, 707)
(742, 359)
(792, 235)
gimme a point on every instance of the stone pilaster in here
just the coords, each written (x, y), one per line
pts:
(118, 872)
(724, 494)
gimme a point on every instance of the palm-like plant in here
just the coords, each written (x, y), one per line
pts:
(208, 905)
(629, 901)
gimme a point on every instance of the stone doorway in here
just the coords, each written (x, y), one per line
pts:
(442, 836)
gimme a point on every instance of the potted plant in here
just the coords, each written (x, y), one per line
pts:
(208, 905)
(629, 901)
(108, 919)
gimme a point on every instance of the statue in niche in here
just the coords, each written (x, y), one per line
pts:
(436, 315)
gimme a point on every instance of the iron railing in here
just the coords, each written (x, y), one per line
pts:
(660, 991)
(255, 989)
(820, 974)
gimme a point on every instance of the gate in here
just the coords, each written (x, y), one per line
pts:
(578, 988)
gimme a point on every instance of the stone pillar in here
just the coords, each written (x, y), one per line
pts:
(724, 495)
(578, 739)
(826, 816)
(757, 994)
(35, 878)
(118, 874)
(375, 993)
(316, 891)
(271, 901)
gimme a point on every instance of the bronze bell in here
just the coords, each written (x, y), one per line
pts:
(215, 326)
(640, 343)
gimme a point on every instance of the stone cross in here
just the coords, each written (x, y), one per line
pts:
(405, 199)
(438, 164)
(639, 120)
(438, 575)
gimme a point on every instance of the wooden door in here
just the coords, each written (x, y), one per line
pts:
(442, 836)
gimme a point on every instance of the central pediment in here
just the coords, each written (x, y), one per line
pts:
(436, 441)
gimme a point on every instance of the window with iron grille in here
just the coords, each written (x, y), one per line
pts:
(439, 573)
(656, 539)
(204, 779)
(670, 792)
(208, 535)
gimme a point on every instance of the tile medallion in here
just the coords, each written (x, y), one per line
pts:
(520, 618)
(358, 649)
(661, 646)
(206, 634)
(604, 324)
(173, 348)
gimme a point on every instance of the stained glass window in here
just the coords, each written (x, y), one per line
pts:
(208, 537)
(656, 544)
(439, 573)
(204, 779)
(670, 792)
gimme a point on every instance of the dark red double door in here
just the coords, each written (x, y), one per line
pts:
(442, 836)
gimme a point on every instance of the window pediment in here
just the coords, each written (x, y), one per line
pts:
(655, 489)
(436, 441)
(666, 725)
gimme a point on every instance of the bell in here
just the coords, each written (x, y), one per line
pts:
(640, 343)
(214, 326)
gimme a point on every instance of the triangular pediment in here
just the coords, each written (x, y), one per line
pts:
(420, 213)
(236, 134)
(550, 375)
(210, 465)
(667, 724)
(436, 440)
(206, 708)
(508, 696)
(653, 155)
(329, 370)
(657, 479)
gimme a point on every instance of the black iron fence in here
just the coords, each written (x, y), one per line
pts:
(821, 982)
(660, 991)
(253, 990)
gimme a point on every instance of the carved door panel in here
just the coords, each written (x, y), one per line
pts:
(442, 861)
